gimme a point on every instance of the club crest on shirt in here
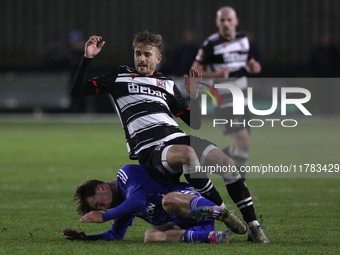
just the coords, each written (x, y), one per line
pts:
(133, 87)
(161, 83)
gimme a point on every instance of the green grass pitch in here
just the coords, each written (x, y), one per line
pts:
(42, 163)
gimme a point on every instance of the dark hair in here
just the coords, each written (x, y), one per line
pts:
(84, 191)
(147, 38)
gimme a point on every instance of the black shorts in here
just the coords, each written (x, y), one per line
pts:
(235, 122)
(155, 159)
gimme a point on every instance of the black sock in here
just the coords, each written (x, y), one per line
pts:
(239, 193)
(206, 188)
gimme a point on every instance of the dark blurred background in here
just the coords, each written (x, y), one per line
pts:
(42, 42)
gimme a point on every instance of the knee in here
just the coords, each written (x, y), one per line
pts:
(227, 161)
(167, 201)
(242, 140)
(182, 153)
(148, 236)
(152, 236)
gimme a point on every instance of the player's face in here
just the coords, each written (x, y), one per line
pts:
(146, 58)
(102, 200)
(227, 21)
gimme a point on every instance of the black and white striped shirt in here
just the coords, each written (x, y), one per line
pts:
(145, 104)
(217, 53)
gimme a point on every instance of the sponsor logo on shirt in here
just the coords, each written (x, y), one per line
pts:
(139, 89)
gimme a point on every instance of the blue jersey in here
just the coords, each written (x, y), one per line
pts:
(143, 194)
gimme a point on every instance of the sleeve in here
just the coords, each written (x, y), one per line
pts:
(204, 53)
(98, 85)
(132, 180)
(191, 115)
(135, 202)
(117, 231)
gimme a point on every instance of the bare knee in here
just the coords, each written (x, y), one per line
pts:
(227, 161)
(216, 156)
(170, 202)
(167, 201)
(241, 140)
(180, 154)
(153, 236)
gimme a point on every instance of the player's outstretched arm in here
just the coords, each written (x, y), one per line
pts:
(80, 85)
(92, 48)
(73, 234)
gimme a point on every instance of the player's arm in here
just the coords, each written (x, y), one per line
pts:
(135, 202)
(192, 116)
(80, 86)
(117, 232)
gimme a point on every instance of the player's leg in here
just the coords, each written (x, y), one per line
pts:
(237, 190)
(179, 157)
(239, 132)
(176, 156)
(196, 207)
(169, 232)
(177, 203)
(201, 231)
(210, 155)
(215, 237)
(239, 149)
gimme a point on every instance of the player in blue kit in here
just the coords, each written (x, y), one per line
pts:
(171, 208)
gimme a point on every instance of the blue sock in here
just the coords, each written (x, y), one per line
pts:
(200, 201)
(196, 236)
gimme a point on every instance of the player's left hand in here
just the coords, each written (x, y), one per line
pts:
(253, 66)
(73, 234)
(191, 85)
(93, 216)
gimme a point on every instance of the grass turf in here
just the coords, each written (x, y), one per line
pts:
(42, 163)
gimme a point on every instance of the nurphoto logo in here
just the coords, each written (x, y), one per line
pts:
(239, 102)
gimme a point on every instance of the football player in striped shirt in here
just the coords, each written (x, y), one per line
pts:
(225, 54)
(146, 101)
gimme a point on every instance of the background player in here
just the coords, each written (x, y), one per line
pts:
(145, 101)
(155, 199)
(225, 54)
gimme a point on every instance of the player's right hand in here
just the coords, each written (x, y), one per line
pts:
(91, 47)
(73, 234)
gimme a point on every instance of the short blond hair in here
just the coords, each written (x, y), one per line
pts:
(148, 38)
